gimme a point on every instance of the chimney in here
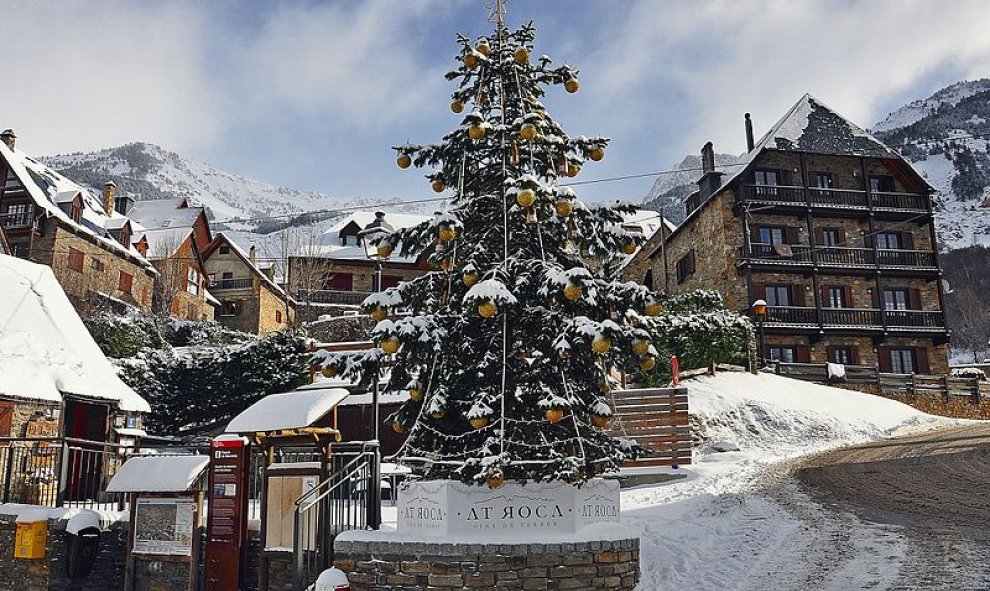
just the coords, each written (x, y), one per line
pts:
(109, 192)
(8, 138)
(253, 255)
(750, 144)
(710, 180)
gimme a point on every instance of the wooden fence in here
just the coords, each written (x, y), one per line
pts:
(895, 383)
(657, 419)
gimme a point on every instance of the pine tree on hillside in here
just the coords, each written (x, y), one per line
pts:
(508, 345)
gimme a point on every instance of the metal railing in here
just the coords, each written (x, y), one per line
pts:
(332, 296)
(915, 318)
(840, 198)
(792, 315)
(17, 220)
(222, 284)
(834, 198)
(349, 499)
(840, 256)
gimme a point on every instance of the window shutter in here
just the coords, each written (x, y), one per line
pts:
(819, 236)
(830, 352)
(914, 299)
(691, 262)
(874, 298)
(847, 295)
(907, 240)
(842, 236)
(754, 234)
(802, 354)
(797, 295)
(855, 354)
(823, 295)
(760, 291)
(6, 418)
(868, 241)
(921, 360)
(883, 357)
(791, 235)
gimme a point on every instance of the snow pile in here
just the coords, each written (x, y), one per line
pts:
(45, 350)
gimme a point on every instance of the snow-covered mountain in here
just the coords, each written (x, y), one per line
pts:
(147, 171)
(670, 190)
(946, 137)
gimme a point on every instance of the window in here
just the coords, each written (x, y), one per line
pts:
(823, 180)
(829, 237)
(902, 360)
(191, 312)
(772, 235)
(783, 354)
(125, 282)
(766, 177)
(837, 297)
(131, 422)
(685, 267)
(895, 299)
(778, 295)
(96, 264)
(230, 308)
(75, 212)
(76, 259)
(882, 183)
(841, 354)
(224, 250)
(227, 275)
(192, 281)
(17, 208)
(349, 239)
(278, 316)
(889, 240)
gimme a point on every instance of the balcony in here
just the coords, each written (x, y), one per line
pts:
(841, 257)
(17, 220)
(847, 199)
(864, 318)
(333, 296)
(227, 284)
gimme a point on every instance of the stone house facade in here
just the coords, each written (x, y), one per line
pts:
(250, 299)
(832, 229)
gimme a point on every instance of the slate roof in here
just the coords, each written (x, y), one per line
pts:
(159, 214)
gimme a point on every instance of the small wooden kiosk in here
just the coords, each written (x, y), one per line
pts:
(166, 496)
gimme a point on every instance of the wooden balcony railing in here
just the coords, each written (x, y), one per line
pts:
(333, 296)
(851, 317)
(16, 221)
(833, 198)
(906, 258)
(792, 315)
(223, 284)
(911, 201)
(837, 198)
(915, 318)
(840, 256)
(803, 316)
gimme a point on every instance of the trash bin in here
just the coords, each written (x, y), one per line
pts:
(82, 550)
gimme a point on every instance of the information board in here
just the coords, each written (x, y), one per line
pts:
(164, 526)
(226, 523)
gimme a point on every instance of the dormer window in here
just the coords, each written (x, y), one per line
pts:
(75, 212)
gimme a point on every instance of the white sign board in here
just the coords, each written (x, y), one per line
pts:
(442, 507)
(164, 526)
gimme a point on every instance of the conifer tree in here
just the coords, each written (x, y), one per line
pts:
(506, 348)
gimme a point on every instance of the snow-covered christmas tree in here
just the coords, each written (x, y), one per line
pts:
(506, 349)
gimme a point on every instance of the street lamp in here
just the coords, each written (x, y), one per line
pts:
(760, 311)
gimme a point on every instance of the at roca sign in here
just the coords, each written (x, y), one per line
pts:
(442, 507)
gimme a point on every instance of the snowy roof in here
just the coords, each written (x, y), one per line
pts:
(246, 258)
(165, 242)
(45, 186)
(159, 474)
(398, 221)
(647, 221)
(157, 214)
(336, 250)
(291, 410)
(45, 350)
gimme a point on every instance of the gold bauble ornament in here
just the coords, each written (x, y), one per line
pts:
(571, 85)
(600, 421)
(554, 415)
(476, 131)
(573, 292)
(495, 480)
(647, 363)
(597, 154)
(446, 234)
(329, 371)
(398, 428)
(470, 61)
(629, 248)
(521, 55)
(438, 186)
(487, 309)
(528, 131)
(379, 313)
(416, 394)
(653, 309)
(479, 422)
(640, 347)
(573, 169)
(600, 344)
(438, 414)
(457, 106)
(404, 160)
(390, 345)
(564, 207)
(484, 48)
(470, 278)
(384, 250)
(526, 197)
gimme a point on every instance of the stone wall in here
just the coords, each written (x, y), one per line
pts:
(161, 573)
(50, 573)
(409, 566)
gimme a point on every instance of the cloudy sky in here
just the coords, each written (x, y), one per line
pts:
(311, 94)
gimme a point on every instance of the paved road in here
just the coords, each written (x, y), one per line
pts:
(933, 488)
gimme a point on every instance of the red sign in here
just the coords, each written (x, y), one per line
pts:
(226, 523)
(675, 370)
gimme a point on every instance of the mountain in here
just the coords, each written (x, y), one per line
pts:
(146, 171)
(945, 137)
(670, 190)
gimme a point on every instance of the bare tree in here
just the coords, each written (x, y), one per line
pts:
(172, 257)
(297, 251)
(972, 328)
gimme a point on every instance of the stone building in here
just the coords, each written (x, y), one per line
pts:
(250, 299)
(51, 220)
(175, 234)
(829, 226)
